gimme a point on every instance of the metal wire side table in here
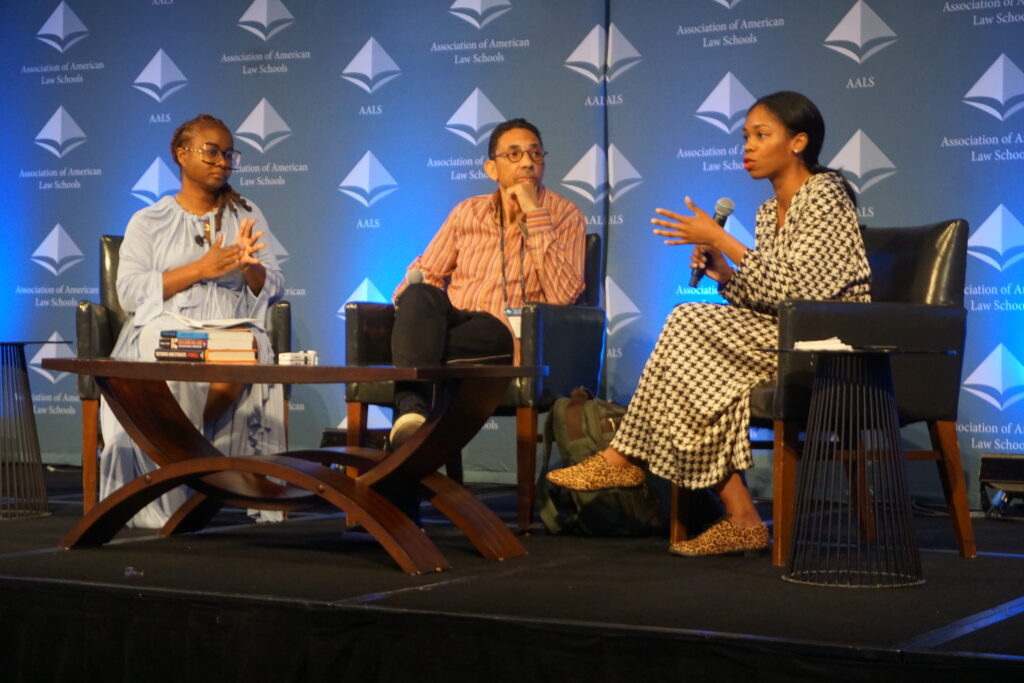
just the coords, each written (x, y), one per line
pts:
(22, 491)
(852, 521)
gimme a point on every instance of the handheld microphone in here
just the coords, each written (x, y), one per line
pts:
(723, 207)
(414, 276)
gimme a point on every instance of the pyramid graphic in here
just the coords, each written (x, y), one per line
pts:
(60, 134)
(475, 118)
(860, 34)
(368, 181)
(998, 380)
(999, 240)
(160, 78)
(266, 18)
(263, 128)
(63, 29)
(55, 350)
(861, 158)
(479, 13)
(603, 56)
(366, 291)
(57, 252)
(157, 180)
(999, 91)
(621, 310)
(727, 105)
(371, 68)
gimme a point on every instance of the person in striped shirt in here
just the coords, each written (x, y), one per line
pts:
(494, 252)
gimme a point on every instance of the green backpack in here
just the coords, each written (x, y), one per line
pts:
(581, 426)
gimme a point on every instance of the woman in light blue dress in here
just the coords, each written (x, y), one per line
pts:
(197, 255)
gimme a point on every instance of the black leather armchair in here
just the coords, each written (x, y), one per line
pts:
(569, 340)
(97, 326)
(917, 303)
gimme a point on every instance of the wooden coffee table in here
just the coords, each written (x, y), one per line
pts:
(137, 393)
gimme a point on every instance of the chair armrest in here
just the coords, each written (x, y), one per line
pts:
(368, 333)
(278, 324)
(93, 340)
(927, 384)
(567, 339)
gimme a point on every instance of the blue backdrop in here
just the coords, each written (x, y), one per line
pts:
(362, 122)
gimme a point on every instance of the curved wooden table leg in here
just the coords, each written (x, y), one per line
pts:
(405, 543)
(194, 514)
(478, 522)
(482, 527)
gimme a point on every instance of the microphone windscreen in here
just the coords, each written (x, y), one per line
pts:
(724, 207)
(414, 276)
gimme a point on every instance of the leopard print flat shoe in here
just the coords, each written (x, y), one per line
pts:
(594, 474)
(724, 538)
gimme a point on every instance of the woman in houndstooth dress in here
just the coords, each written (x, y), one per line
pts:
(689, 417)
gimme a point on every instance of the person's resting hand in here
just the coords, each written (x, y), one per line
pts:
(524, 194)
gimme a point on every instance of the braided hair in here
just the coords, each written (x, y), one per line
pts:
(799, 115)
(227, 197)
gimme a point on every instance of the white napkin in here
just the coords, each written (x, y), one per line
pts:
(830, 344)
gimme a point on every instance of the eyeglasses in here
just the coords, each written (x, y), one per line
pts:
(514, 155)
(210, 154)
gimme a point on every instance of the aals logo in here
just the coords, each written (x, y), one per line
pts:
(371, 68)
(160, 78)
(57, 252)
(727, 105)
(728, 4)
(60, 135)
(58, 349)
(368, 181)
(479, 12)
(266, 18)
(597, 174)
(999, 91)
(475, 118)
(63, 29)
(263, 128)
(621, 311)
(603, 56)
(158, 180)
(999, 241)
(860, 34)
(862, 159)
(365, 292)
(998, 380)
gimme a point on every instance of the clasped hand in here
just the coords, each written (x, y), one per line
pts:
(220, 259)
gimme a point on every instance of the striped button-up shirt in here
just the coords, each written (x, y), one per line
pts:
(466, 254)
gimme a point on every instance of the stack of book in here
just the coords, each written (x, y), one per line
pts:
(235, 345)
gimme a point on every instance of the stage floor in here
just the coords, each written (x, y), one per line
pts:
(968, 616)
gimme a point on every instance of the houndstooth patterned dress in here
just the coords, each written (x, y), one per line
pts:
(690, 414)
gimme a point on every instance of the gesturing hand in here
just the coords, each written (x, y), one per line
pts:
(248, 244)
(699, 228)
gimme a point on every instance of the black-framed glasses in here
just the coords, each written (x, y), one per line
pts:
(211, 154)
(514, 155)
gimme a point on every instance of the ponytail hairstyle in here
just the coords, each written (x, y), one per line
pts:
(799, 115)
(227, 196)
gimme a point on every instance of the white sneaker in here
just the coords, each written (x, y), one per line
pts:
(405, 426)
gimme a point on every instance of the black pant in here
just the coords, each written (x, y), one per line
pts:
(430, 331)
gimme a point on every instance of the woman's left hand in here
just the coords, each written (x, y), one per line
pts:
(248, 243)
(699, 228)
